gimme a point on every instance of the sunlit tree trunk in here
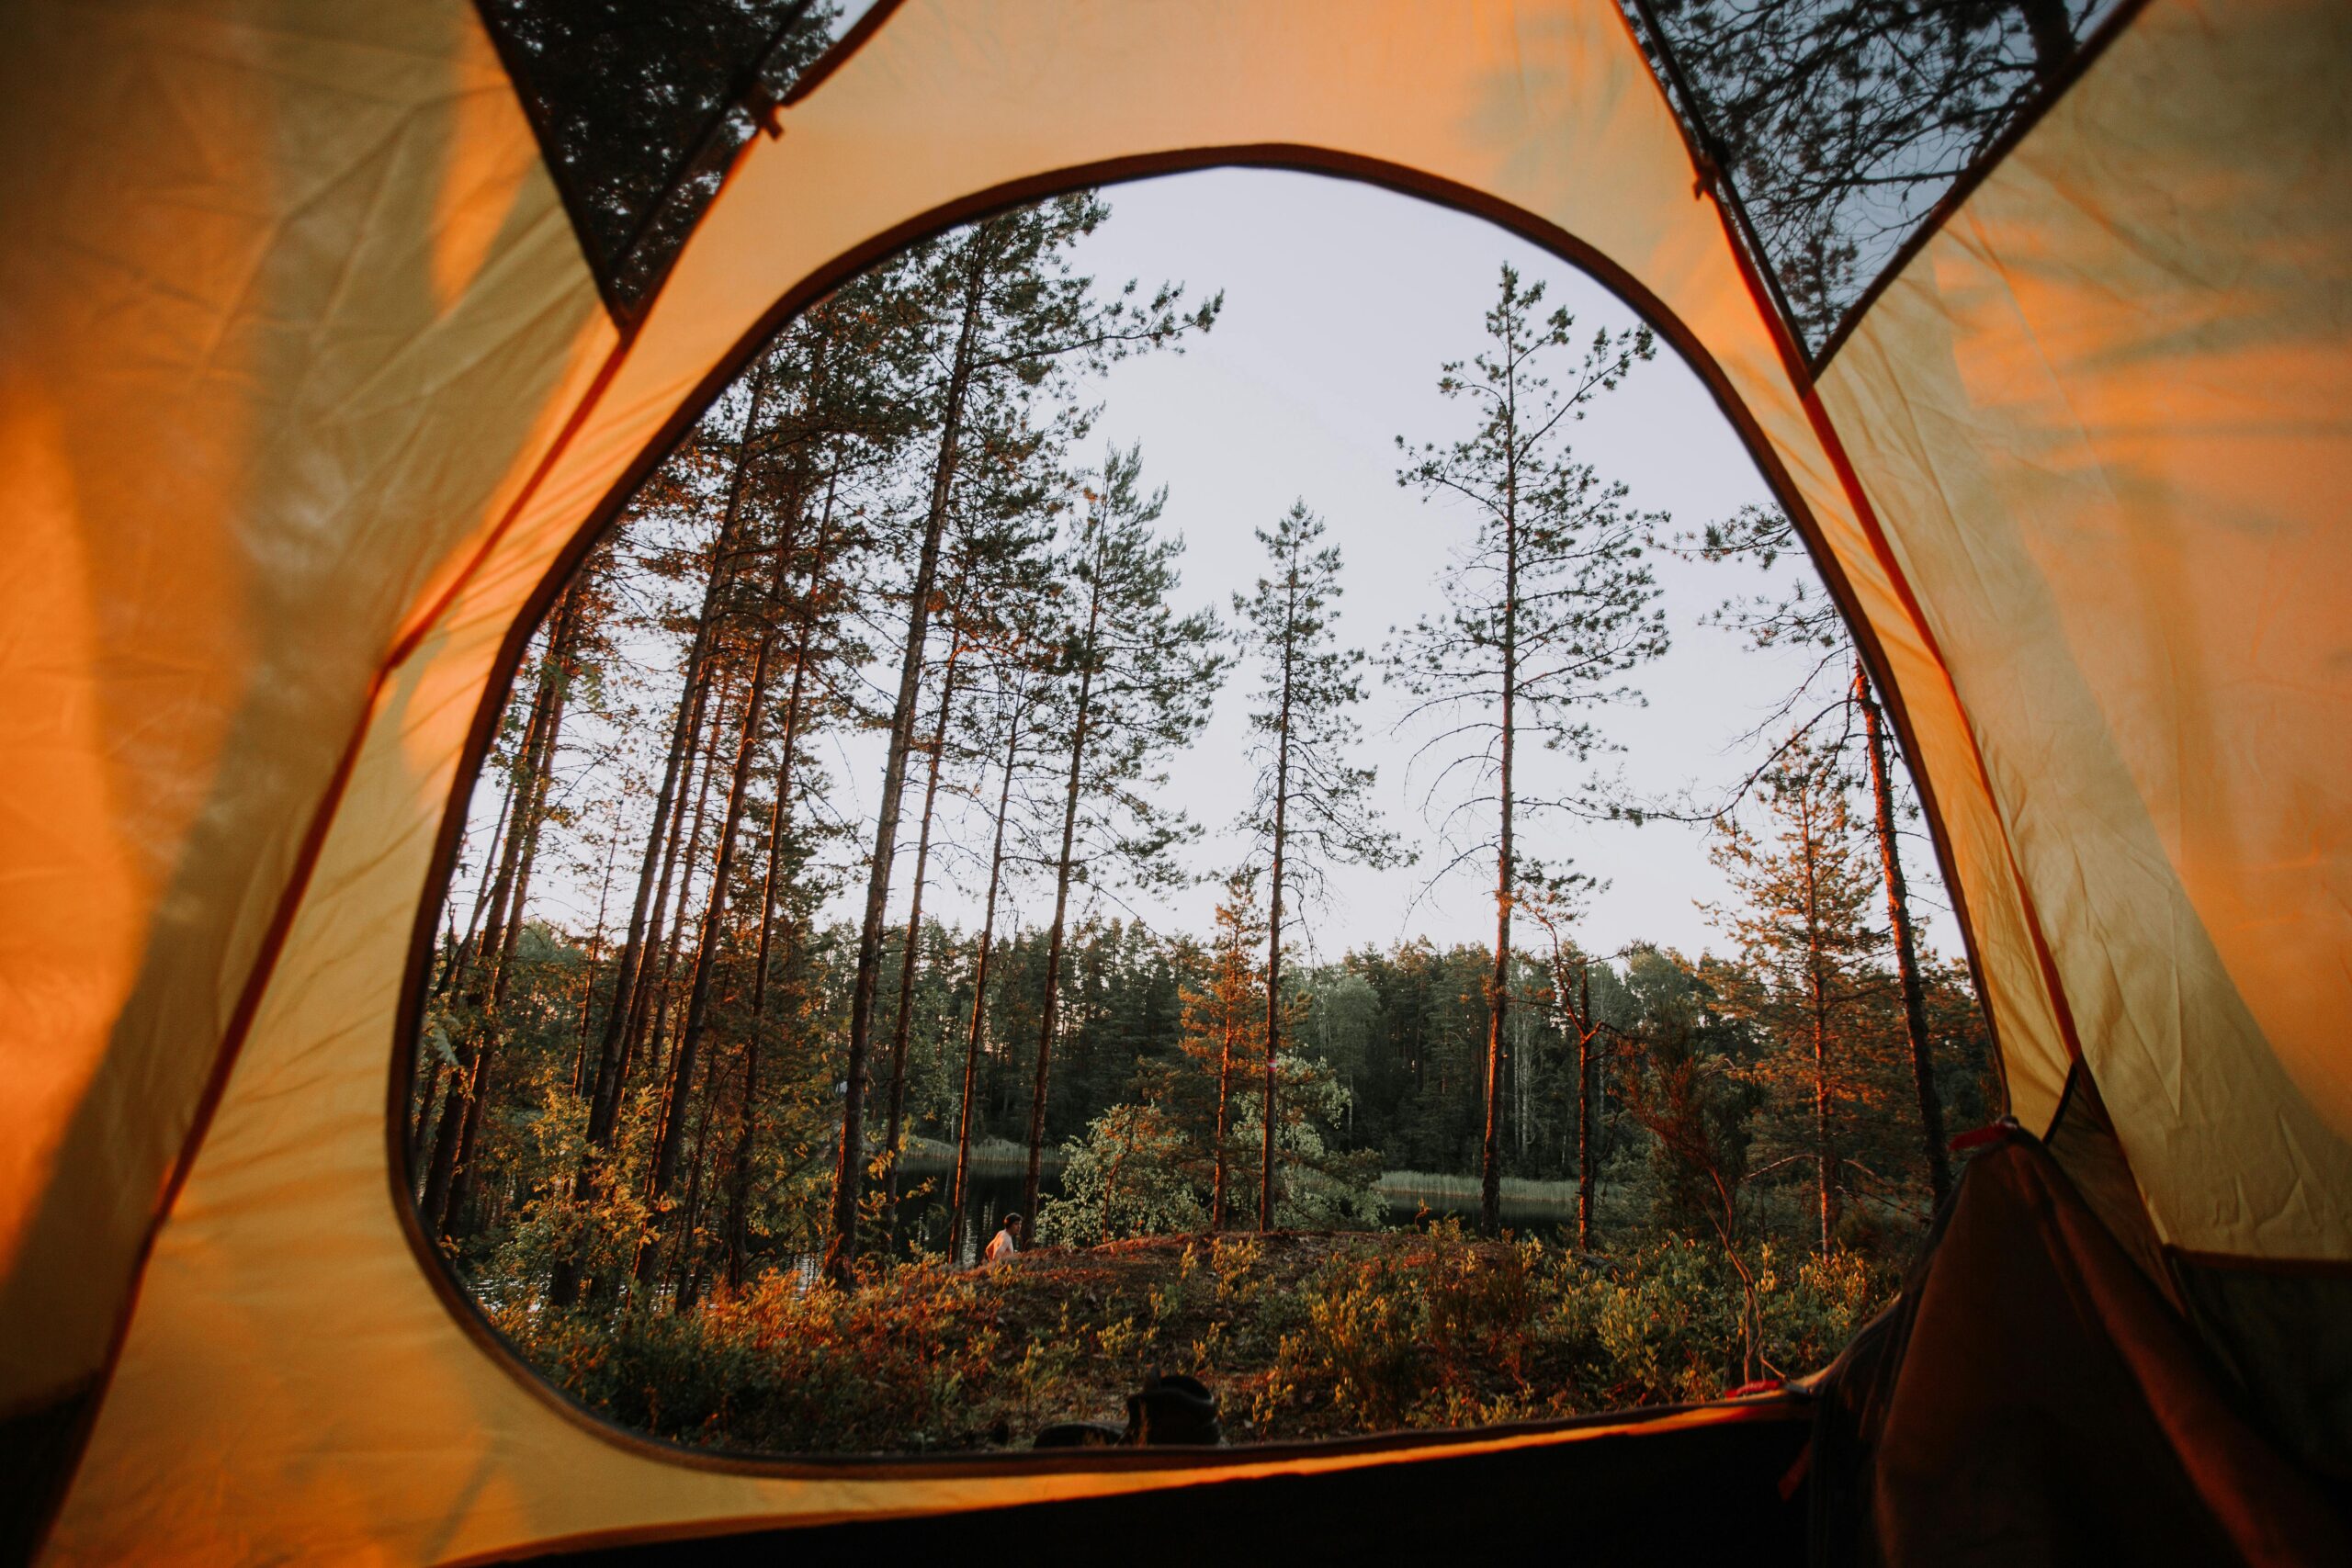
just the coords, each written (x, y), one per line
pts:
(1907, 950)
(1219, 1194)
(1818, 996)
(554, 692)
(595, 956)
(1585, 1032)
(453, 974)
(453, 977)
(841, 1251)
(656, 1001)
(1275, 902)
(607, 1081)
(684, 1062)
(980, 994)
(901, 1027)
(682, 1270)
(739, 1194)
(462, 1091)
(449, 1134)
(1490, 1168)
(1033, 1179)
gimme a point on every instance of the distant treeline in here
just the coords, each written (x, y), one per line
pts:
(1692, 1077)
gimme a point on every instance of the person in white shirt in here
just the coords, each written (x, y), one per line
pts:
(1006, 1243)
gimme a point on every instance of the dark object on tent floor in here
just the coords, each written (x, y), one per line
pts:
(1171, 1410)
(2032, 1399)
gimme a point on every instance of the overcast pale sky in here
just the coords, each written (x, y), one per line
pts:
(1340, 303)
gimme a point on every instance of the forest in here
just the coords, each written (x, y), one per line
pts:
(790, 951)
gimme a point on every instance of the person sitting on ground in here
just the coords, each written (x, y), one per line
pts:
(1006, 1242)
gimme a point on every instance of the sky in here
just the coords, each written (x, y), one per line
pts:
(1341, 301)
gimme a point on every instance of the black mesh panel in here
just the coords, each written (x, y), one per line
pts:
(640, 104)
(1840, 124)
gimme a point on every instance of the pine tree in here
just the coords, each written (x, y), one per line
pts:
(1138, 679)
(1906, 948)
(1802, 931)
(1311, 807)
(670, 1135)
(1224, 1031)
(1014, 712)
(819, 398)
(1550, 608)
(1007, 727)
(460, 1129)
(648, 912)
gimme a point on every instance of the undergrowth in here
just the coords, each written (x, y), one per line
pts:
(1300, 1335)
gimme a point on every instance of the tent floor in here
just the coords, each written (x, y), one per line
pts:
(1672, 1495)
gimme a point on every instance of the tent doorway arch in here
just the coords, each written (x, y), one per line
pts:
(407, 1176)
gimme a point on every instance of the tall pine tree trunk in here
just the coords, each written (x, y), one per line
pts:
(607, 1080)
(1490, 1168)
(1220, 1196)
(557, 686)
(453, 974)
(1817, 986)
(841, 1251)
(654, 1001)
(663, 1175)
(462, 1092)
(1585, 1032)
(595, 956)
(1033, 1178)
(682, 1270)
(649, 914)
(1274, 904)
(902, 1025)
(980, 994)
(1907, 950)
(739, 1192)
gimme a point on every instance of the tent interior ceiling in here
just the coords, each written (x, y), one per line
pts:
(2074, 472)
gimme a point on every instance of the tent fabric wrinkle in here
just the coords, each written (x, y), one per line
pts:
(310, 398)
(2142, 451)
(207, 582)
(2105, 1433)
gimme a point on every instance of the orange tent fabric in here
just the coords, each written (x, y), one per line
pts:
(308, 401)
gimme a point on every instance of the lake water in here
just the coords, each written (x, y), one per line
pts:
(992, 1192)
